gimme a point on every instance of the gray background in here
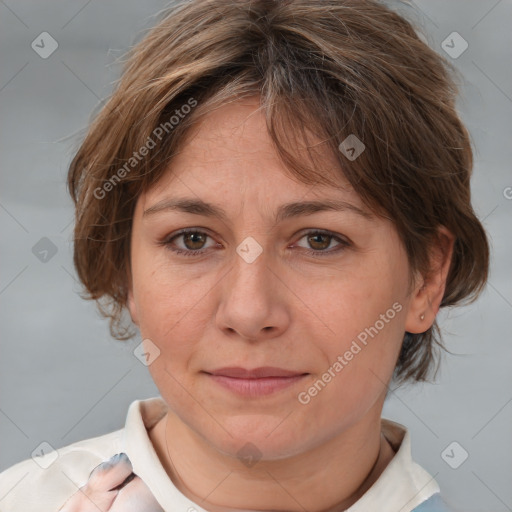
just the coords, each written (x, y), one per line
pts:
(63, 379)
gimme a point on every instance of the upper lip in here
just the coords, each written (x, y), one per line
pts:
(255, 373)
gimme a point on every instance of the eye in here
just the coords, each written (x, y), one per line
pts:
(193, 242)
(320, 241)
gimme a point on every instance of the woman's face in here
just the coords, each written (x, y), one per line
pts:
(319, 293)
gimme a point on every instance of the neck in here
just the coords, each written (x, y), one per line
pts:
(327, 478)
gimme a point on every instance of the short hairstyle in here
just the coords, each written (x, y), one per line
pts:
(333, 68)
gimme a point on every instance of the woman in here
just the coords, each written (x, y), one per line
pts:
(279, 195)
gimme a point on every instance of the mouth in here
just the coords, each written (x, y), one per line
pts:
(256, 382)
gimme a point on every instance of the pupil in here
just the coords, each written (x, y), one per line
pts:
(319, 236)
(193, 235)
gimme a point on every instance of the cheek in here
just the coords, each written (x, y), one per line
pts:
(175, 321)
(366, 322)
(359, 365)
(370, 297)
(165, 294)
(174, 312)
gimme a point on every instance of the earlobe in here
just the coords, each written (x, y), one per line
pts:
(417, 320)
(429, 292)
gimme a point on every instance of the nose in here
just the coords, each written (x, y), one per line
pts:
(253, 302)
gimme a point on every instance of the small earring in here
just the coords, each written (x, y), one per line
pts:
(422, 317)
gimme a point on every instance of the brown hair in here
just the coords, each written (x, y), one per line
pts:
(337, 67)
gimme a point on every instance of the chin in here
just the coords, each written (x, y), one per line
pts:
(257, 437)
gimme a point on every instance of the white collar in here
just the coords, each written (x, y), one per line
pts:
(401, 487)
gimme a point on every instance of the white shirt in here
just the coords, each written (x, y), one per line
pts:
(46, 483)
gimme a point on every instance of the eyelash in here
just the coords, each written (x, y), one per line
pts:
(316, 254)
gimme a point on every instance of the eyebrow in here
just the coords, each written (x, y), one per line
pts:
(285, 211)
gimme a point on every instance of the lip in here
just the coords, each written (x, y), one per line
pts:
(256, 373)
(256, 382)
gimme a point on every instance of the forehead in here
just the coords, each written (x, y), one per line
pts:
(229, 154)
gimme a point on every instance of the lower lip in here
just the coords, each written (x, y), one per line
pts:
(256, 387)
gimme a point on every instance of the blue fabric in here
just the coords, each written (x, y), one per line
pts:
(434, 504)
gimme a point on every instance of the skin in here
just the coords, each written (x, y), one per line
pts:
(287, 309)
(100, 493)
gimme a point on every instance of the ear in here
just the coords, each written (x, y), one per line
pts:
(428, 292)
